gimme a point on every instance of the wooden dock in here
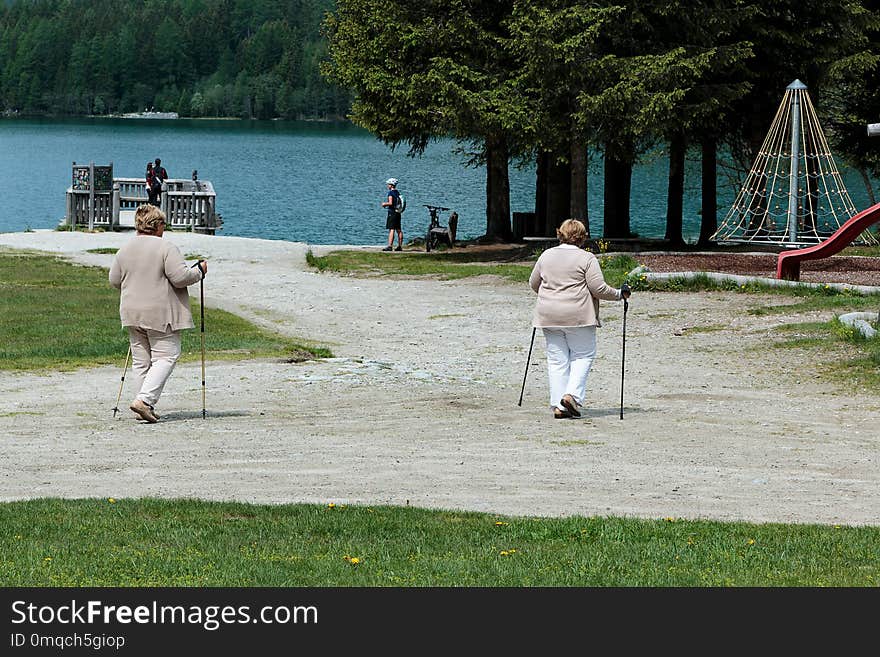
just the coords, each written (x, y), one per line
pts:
(96, 199)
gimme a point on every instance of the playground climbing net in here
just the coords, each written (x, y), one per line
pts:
(794, 194)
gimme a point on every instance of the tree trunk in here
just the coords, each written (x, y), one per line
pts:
(552, 195)
(577, 208)
(540, 223)
(709, 195)
(558, 193)
(618, 179)
(497, 190)
(675, 191)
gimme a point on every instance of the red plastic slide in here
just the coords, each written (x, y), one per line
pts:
(788, 264)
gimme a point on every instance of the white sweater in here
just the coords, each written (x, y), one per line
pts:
(569, 284)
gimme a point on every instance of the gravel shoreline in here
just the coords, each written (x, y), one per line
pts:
(420, 406)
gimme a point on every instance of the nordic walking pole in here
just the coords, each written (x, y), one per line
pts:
(122, 381)
(528, 362)
(623, 352)
(202, 308)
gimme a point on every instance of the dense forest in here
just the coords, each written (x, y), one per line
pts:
(231, 58)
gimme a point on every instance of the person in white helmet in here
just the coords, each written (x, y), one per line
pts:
(392, 223)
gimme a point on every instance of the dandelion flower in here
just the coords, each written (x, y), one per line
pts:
(332, 505)
(354, 561)
(111, 500)
(751, 541)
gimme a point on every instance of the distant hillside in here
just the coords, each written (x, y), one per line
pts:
(244, 58)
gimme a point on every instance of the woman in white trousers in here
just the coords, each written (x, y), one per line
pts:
(153, 305)
(569, 283)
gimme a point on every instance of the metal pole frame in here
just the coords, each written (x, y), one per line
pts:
(796, 89)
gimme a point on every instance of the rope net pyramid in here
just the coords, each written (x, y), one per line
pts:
(794, 194)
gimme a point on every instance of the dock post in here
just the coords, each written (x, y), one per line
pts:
(91, 196)
(164, 202)
(114, 219)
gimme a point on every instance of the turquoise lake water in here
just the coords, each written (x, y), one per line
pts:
(300, 181)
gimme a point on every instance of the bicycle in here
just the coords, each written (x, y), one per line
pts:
(438, 234)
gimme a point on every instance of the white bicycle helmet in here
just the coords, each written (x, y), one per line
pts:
(392, 181)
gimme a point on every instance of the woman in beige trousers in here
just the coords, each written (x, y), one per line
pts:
(154, 305)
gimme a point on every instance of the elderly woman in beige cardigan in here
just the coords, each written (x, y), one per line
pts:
(154, 305)
(569, 284)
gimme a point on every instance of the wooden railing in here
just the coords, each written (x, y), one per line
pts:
(188, 205)
(87, 209)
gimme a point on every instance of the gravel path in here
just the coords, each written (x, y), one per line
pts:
(420, 406)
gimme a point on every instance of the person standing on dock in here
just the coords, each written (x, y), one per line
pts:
(392, 223)
(160, 176)
(153, 186)
(154, 305)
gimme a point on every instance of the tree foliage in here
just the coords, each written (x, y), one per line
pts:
(431, 69)
(248, 58)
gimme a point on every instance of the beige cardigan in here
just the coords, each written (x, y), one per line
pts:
(569, 284)
(153, 278)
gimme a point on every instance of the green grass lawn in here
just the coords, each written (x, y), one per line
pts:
(57, 315)
(856, 250)
(450, 264)
(128, 542)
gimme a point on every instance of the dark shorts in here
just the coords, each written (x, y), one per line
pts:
(393, 221)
